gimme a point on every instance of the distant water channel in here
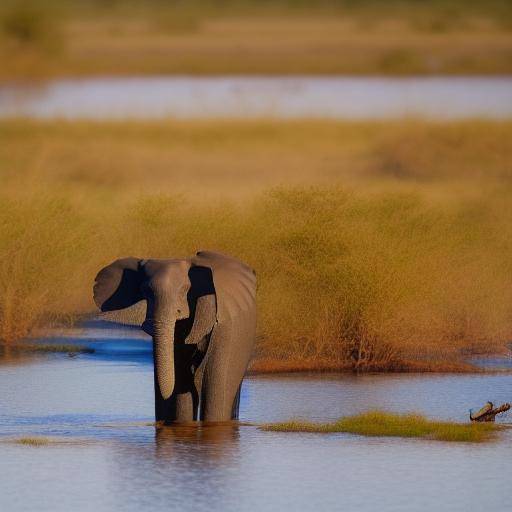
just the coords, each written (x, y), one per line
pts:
(100, 407)
(260, 97)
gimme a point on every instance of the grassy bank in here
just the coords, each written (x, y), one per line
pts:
(20, 348)
(384, 424)
(40, 39)
(298, 364)
(377, 246)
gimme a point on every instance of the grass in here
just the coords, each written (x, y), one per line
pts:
(33, 441)
(296, 364)
(39, 441)
(385, 424)
(230, 159)
(378, 246)
(44, 348)
(40, 39)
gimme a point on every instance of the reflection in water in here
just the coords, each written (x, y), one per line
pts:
(191, 467)
(216, 440)
(128, 464)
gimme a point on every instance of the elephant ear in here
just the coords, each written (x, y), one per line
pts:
(234, 282)
(117, 286)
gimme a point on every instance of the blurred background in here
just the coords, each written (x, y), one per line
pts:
(356, 153)
(56, 38)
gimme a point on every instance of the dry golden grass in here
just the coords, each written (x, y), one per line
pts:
(238, 158)
(377, 246)
(385, 424)
(47, 39)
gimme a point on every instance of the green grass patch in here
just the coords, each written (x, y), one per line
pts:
(33, 441)
(385, 424)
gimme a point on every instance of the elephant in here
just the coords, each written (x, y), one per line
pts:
(201, 314)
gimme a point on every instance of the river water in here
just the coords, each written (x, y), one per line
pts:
(100, 406)
(260, 97)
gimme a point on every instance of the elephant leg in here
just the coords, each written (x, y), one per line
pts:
(236, 404)
(224, 369)
(182, 405)
(179, 407)
(217, 399)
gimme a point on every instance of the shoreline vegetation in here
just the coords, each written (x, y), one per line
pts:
(271, 366)
(377, 245)
(41, 39)
(386, 424)
(264, 365)
(43, 348)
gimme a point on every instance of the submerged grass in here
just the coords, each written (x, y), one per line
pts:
(385, 424)
(378, 246)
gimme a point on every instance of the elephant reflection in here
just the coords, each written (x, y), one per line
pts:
(217, 440)
(201, 313)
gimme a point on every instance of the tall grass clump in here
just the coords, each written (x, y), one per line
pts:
(364, 281)
(374, 281)
(43, 244)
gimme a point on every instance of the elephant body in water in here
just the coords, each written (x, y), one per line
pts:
(201, 313)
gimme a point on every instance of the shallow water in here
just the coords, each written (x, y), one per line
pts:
(100, 405)
(253, 97)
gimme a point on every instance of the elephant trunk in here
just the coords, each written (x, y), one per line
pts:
(163, 345)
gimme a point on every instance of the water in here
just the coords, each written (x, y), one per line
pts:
(256, 97)
(111, 458)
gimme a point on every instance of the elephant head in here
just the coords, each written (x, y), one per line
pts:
(164, 284)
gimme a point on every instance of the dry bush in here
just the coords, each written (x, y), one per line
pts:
(44, 242)
(369, 275)
(365, 280)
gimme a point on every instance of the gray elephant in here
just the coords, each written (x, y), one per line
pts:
(201, 313)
